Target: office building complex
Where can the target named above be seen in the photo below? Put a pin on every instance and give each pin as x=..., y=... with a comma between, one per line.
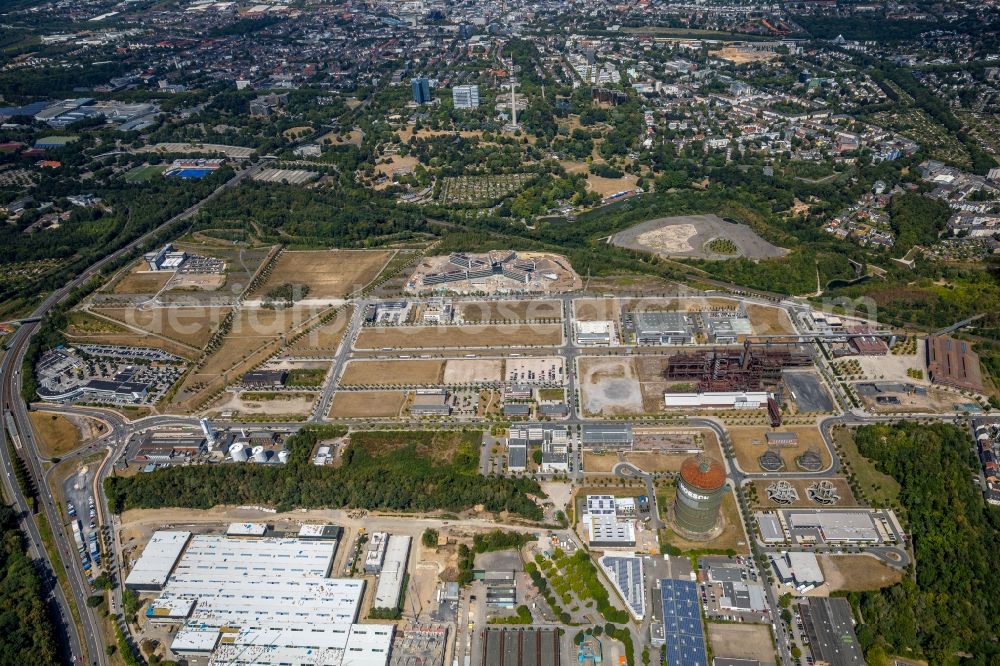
x=421, y=91
x=465, y=97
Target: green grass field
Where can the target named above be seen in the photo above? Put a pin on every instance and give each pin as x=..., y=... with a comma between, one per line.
x=145, y=172
x=881, y=489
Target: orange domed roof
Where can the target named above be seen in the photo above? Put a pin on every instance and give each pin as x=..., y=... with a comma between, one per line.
x=703, y=472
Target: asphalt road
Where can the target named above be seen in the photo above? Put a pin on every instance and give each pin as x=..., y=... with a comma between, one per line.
x=11, y=402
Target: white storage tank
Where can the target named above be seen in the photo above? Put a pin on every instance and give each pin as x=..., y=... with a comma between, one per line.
x=283, y=456
x=238, y=453
x=259, y=454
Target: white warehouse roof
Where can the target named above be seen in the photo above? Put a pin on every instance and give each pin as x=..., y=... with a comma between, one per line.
x=390, y=580
x=157, y=560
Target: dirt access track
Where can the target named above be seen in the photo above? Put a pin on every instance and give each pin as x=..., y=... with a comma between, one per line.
x=687, y=235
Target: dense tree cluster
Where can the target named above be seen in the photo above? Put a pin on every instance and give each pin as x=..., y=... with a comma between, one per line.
x=26, y=632
x=949, y=607
x=403, y=478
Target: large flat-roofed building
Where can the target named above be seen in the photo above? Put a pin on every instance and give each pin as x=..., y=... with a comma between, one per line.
x=856, y=526
x=509, y=646
x=717, y=400
x=376, y=552
x=604, y=527
x=662, y=328
x=769, y=526
x=594, y=333
x=727, y=327
x=800, y=570
x=830, y=627
x=265, y=378
x=153, y=568
x=390, y=581
x=430, y=402
x=606, y=436
x=267, y=601
x=952, y=363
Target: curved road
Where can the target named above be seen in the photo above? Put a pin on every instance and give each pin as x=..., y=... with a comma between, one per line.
x=12, y=403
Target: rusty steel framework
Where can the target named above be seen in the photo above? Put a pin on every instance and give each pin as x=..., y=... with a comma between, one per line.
x=751, y=368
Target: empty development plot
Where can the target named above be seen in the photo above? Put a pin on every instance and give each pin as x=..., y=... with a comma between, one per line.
x=263, y=403
x=59, y=434
x=857, y=573
x=596, y=309
x=367, y=404
x=464, y=337
x=689, y=235
x=609, y=386
x=325, y=337
x=192, y=326
x=509, y=311
x=327, y=273
x=767, y=320
x=407, y=372
x=139, y=281
x=751, y=442
x=741, y=641
x=472, y=370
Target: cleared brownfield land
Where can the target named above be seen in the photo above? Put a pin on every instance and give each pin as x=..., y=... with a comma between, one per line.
x=56, y=433
x=327, y=273
x=189, y=325
x=857, y=573
x=138, y=282
x=326, y=336
x=509, y=311
x=422, y=337
x=362, y=404
x=400, y=373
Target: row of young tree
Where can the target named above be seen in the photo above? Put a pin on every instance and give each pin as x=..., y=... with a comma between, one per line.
x=948, y=608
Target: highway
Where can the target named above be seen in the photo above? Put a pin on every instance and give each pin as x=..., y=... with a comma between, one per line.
x=11, y=402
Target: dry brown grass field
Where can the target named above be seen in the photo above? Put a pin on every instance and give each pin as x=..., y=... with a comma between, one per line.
x=327, y=273
x=395, y=372
x=192, y=326
x=367, y=404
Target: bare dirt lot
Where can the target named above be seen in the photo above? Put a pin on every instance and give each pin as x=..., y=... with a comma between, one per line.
x=609, y=386
x=459, y=337
x=464, y=371
x=857, y=573
x=59, y=434
x=687, y=236
x=509, y=311
x=271, y=404
x=139, y=281
x=741, y=641
x=596, y=309
x=741, y=56
x=191, y=326
x=327, y=273
x=750, y=443
x=769, y=321
x=393, y=372
x=362, y=404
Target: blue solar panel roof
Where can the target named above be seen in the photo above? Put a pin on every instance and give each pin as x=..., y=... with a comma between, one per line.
x=682, y=628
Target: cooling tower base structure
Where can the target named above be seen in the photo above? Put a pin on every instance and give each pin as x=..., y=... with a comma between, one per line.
x=696, y=514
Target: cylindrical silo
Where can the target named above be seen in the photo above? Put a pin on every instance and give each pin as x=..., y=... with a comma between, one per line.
x=238, y=453
x=283, y=456
x=699, y=494
x=259, y=454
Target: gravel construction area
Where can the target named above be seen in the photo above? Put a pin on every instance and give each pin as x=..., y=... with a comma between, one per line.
x=808, y=391
x=609, y=387
x=741, y=641
x=687, y=236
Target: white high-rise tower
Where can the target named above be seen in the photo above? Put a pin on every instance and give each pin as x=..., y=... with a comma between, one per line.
x=513, y=100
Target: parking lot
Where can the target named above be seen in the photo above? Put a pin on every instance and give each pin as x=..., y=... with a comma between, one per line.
x=526, y=370
x=808, y=391
x=77, y=490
